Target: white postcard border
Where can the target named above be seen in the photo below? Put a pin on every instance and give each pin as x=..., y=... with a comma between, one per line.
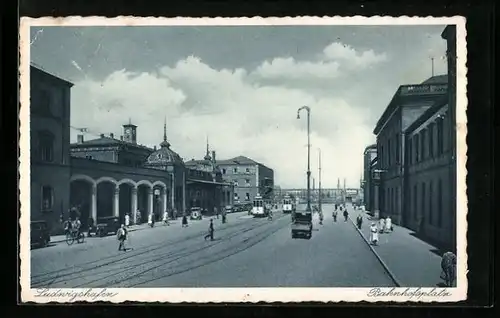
x=252, y=295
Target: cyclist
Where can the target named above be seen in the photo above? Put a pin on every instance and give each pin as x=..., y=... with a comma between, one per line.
x=76, y=226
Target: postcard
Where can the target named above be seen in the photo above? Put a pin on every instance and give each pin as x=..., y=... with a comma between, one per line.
x=224, y=160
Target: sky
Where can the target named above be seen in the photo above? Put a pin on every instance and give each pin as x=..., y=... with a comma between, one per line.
x=241, y=87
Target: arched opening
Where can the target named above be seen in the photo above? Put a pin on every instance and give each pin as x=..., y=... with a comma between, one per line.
x=105, y=196
x=80, y=197
x=142, y=202
x=125, y=200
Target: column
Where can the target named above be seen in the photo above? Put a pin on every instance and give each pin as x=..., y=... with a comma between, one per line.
x=376, y=200
x=93, y=206
x=116, y=205
x=134, y=204
x=150, y=201
x=164, y=201
x=172, y=190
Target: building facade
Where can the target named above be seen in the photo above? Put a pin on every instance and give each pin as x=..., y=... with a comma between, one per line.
x=49, y=142
x=408, y=103
x=429, y=209
x=248, y=177
x=206, y=187
x=369, y=156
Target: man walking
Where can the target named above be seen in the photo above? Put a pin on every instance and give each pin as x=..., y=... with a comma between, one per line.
x=210, y=231
x=359, y=221
x=122, y=236
x=346, y=214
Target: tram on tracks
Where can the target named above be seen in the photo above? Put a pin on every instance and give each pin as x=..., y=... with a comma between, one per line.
x=259, y=208
x=288, y=204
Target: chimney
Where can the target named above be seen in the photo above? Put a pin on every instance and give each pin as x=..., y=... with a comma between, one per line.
x=154, y=148
x=112, y=135
x=121, y=138
x=102, y=135
x=213, y=156
x=80, y=139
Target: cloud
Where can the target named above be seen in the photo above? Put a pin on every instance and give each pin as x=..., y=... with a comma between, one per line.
x=239, y=115
x=334, y=62
x=351, y=58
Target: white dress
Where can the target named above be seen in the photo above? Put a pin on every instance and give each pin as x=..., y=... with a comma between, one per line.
x=127, y=220
x=373, y=234
x=388, y=225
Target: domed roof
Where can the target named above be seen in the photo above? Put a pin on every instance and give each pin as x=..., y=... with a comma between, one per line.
x=164, y=156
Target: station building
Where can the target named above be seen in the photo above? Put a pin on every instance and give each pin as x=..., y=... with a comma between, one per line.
x=249, y=178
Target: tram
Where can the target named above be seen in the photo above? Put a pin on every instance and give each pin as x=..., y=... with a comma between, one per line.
x=288, y=204
x=259, y=209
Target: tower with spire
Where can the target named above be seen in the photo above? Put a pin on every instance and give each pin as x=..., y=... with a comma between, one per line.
x=165, y=143
x=207, y=154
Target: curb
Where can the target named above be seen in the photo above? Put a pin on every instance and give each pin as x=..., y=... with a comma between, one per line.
x=384, y=265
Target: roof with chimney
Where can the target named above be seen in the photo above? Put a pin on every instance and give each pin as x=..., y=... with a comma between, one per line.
x=107, y=141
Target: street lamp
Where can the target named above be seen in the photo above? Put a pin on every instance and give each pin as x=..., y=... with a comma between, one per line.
x=308, y=208
x=319, y=187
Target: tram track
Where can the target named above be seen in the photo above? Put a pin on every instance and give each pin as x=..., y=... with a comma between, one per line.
x=118, y=263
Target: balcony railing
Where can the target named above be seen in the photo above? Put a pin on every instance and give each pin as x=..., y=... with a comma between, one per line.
x=427, y=89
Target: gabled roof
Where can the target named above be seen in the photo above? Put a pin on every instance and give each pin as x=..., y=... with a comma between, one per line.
x=107, y=141
x=36, y=69
x=237, y=160
x=438, y=79
x=427, y=114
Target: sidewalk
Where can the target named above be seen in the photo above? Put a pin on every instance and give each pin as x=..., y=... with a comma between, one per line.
x=411, y=261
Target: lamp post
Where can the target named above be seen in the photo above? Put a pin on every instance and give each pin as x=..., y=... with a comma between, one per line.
x=319, y=186
x=308, y=208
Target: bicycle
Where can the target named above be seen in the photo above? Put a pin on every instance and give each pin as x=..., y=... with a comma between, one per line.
x=71, y=236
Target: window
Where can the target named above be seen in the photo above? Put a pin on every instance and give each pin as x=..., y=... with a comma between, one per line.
x=410, y=151
x=422, y=144
x=398, y=147
x=382, y=156
x=415, y=196
x=431, y=140
x=235, y=169
x=389, y=152
x=417, y=150
x=440, y=204
x=46, y=146
x=236, y=196
x=431, y=222
x=235, y=183
x=247, y=196
x=223, y=171
x=440, y=137
x=47, y=198
x=422, y=203
x=247, y=182
x=247, y=170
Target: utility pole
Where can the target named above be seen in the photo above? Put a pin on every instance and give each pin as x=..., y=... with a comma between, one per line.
x=308, y=208
x=432, y=66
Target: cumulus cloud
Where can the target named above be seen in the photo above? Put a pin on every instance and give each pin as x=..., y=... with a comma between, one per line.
x=352, y=59
x=239, y=115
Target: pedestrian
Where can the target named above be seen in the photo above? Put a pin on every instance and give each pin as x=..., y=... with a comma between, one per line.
x=388, y=224
x=151, y=221
x=321, y=218
x=448, y=268
x=210, y=231
x=359, y=221
x=165, y=218
x=382, y=225
x=138, y=218
x=346, y=214
x=184, y=220
x=127, y=220
x=122, y=235
x=334, y=214
x=224, y=218
x=373, y=234
x=90, y=226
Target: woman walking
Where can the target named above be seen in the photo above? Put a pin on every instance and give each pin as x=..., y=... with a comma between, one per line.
x=373, y=234
x=122, y=236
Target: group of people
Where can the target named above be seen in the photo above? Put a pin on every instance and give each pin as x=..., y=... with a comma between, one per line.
x=384, y=226
x=342, y=209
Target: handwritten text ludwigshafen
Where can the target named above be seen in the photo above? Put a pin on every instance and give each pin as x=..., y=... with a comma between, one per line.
x=89, y=293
